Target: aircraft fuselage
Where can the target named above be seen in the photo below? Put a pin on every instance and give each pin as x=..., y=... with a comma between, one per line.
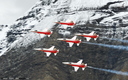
x=91, y=36
x=81, y=66
x=51, y=51
x=76, y=41
x=46, y=33
x=70, y=24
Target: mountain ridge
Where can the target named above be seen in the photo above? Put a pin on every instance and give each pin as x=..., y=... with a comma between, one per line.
x=21, y=61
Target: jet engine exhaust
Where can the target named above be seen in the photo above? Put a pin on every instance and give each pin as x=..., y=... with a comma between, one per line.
x=115, y=39
x=111, y=71
x=109, y=46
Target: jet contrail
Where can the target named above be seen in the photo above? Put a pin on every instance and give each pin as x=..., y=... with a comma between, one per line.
x=111, y=71
x=115, y=39
x=110, y=46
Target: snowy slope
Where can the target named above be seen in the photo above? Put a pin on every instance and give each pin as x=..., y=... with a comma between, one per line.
x=45, y=12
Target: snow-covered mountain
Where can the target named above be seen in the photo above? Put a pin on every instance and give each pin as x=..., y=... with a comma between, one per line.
x=45, y=12
x=108, y=18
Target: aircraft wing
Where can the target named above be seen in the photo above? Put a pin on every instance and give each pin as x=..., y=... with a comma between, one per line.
x=91, y=33
x=71, y=44
x=44, y=30
x=47, y=54
x=76, y=69
x=80, y=61
x=88, y=38
x=51, y=48
x=74, y=38
x=42, y=35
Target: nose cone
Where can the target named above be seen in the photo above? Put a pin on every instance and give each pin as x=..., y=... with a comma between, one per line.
x=77, y=34
x=37, y=49
x=65, y=62
x=32, y=31
x=56, y=22
x=60, y=39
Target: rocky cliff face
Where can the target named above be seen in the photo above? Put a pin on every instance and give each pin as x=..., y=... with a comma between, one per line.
x=21, y=61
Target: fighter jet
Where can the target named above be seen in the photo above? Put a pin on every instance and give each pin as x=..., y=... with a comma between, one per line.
x=48, y=51
x=71, y=41
x=89, y=36
x=71, y=23
x=77, y=65
x=45, y=32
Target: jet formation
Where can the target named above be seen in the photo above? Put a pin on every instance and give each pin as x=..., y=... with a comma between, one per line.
x=70, y=41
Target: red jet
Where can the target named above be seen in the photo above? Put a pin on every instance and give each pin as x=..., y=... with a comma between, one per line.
x=89, y=36
x=77, y=65
x=71, y=41
x=48, y=51
x=48, y=32
x=66, y=23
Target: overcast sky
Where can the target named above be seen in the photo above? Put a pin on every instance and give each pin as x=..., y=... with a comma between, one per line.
x=10, y=10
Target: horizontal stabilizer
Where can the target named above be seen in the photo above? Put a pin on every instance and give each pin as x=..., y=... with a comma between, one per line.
x=49, y=35
x=55, y=54
x=83, y=68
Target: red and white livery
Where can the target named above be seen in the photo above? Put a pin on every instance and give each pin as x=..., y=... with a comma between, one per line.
x=48, y=51
x=89, y=36
x=71, y=23
x=44, y=32
x=71, y=41
x=77, y=65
